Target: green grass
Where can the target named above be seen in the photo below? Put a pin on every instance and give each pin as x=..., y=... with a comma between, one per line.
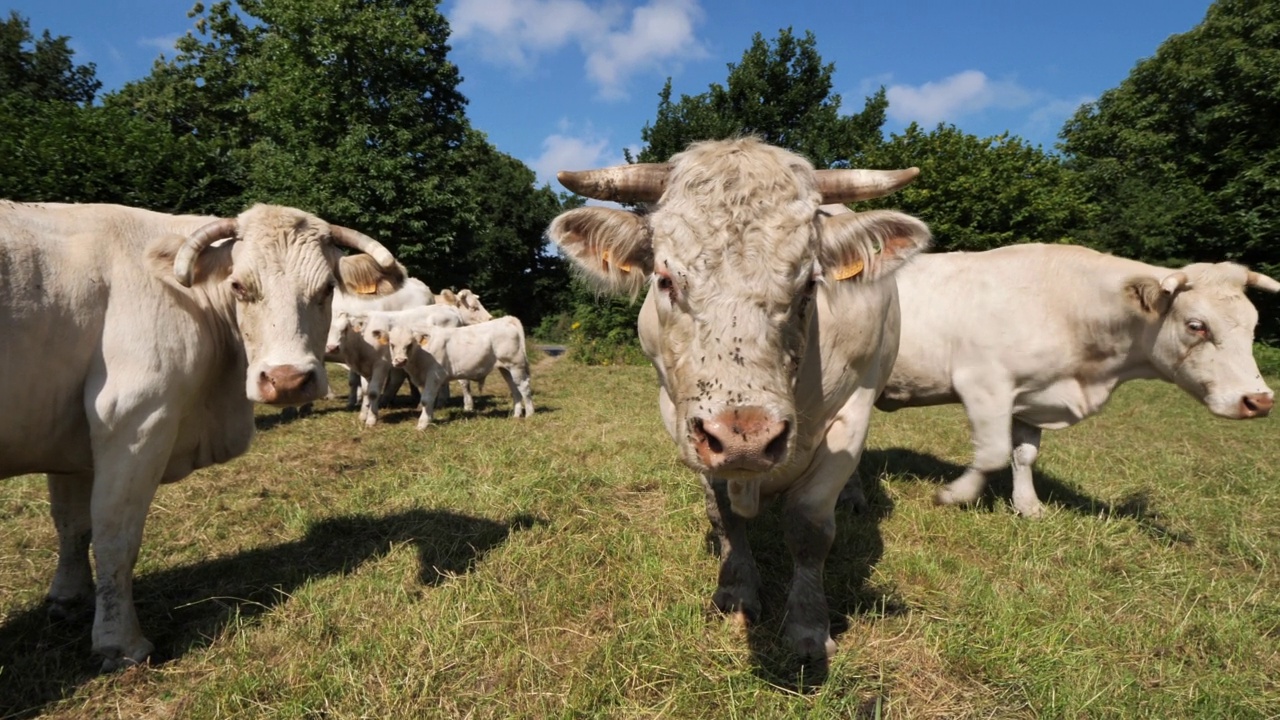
x=557, y=567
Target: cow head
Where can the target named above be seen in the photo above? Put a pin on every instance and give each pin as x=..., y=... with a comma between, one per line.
x=342, y=323
x=284, y=265
x=1203, y=339
x=732, y=254
x=467, y=304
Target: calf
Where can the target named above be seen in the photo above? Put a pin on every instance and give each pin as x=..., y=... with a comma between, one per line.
x=433, y=356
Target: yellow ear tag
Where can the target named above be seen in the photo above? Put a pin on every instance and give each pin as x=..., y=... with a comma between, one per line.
x=853, y=269
x=366, y=288
x=383, y=340
x=605, y=258
x=424, y=340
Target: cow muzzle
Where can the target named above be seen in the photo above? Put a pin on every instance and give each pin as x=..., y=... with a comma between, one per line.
x=743, y=439
x=1255, y=405
x=288, y=385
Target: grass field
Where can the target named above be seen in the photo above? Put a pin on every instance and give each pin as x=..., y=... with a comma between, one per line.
x=558, y=567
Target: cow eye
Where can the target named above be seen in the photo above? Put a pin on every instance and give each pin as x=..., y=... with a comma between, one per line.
x=1197, y=327
x=241, y=292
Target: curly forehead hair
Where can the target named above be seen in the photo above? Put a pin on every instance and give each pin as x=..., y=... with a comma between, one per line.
x=750, y=207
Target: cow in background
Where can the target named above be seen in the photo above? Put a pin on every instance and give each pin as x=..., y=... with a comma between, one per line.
x=773, y=325
x=432, y=356
x=1035, y=337
x=165, y=337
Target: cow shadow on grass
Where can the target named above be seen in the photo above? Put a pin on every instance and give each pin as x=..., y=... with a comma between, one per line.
x=1052, y=490
x=189, y=607
x=857, y=548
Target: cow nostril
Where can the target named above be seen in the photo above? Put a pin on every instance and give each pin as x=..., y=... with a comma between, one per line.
x=703, y=437
x=1249, y=404
x=777, y=447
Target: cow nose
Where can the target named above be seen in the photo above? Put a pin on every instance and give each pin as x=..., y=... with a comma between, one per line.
x=1256, y=405
x=331, y=348
x=398, y=362
x=740, y=438
x=287, y=385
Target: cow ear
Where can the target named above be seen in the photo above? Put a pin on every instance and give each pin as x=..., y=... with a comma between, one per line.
x=1153, y=296
x=870, y=245
x=362, y=275
x=424, y=340
x=611, y=247
x=448, y=298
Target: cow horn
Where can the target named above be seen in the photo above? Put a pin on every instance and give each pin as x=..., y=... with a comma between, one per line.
x=842, y=186
x=184, y=262
x=347, y=237
x=1175, y=282
x=639, y=182
x=1262, y=282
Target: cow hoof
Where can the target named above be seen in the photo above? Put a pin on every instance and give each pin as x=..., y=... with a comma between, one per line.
x=744, y=609
x=852, y=497
x=1034, y=511
x=60, y=610
x=810, y=646
x=116, y=660
x=948, y=495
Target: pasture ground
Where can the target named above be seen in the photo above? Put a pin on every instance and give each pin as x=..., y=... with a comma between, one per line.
x=558, y=567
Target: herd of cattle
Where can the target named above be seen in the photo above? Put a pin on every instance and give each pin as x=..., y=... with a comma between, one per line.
x=775, y=317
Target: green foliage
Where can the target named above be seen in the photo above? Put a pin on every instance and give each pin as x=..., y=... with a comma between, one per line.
x=1182, y=158
x=45, y=72
x=981, y=193
x=781, y=92
x=59, y=152
x=352, y=110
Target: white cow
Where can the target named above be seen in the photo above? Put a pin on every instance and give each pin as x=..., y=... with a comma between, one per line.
x=1033, y=337
x=163, y=341
x=414, y=293
x=361, y=340
x=433, y=356
x=468, y=303
x=771, y=331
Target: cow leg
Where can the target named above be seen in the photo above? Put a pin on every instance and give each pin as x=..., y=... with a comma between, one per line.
x=1026, y=447
x=128, y=465
x=990, y=414
x=468, y=403
x=809, y=536
x=431, y=385
x=809, y=527
x=738, y=591
x=355, y=390
x=373, y=394
x=72, y=587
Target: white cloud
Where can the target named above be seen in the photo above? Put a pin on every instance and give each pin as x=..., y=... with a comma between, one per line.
x=568, y=152
x=1048, y=119
x=163, y=43
x=615, y=43
x=947, y=100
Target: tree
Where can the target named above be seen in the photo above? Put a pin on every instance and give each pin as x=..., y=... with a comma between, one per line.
x=780, y=92
x=44, y=73
x=351, y=109
x=1182, y=158
x=980, y=193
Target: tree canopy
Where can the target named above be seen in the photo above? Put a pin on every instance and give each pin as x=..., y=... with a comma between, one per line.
x=781, y=92
x=1182, y=159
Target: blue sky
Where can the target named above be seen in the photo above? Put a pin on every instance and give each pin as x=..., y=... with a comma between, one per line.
x=567, y=84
